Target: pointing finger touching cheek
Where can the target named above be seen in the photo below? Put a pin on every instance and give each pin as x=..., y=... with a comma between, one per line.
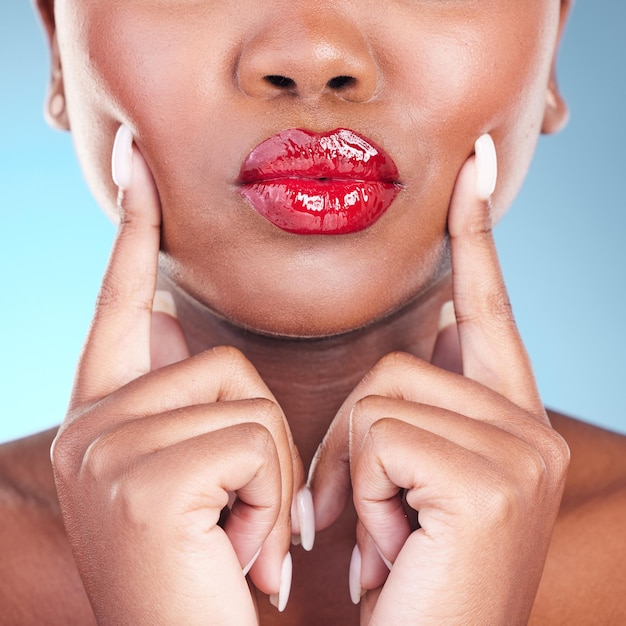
x=117, y=349
x=491, y=348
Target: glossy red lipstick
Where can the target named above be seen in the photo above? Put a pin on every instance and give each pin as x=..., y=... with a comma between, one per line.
x=319, y=184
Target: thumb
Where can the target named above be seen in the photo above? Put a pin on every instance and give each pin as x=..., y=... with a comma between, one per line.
x=167, y=340
x=447, y=350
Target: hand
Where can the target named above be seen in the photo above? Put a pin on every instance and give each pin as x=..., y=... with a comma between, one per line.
x=472, y=453
x=148, y=457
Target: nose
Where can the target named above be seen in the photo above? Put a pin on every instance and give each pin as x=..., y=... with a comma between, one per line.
x=308, y=54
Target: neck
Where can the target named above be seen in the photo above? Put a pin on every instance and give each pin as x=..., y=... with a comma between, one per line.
x=311, y=378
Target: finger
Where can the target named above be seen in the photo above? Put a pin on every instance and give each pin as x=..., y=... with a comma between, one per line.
x=492, y=351
x=117, y=349
x=160, y=489
x=467, y=503
x=167, y=340
x=221, y=374
x=522, y=450
x=128, y=442
x=218, y=376
x=511, y=448
x=226, y=390
x=380, y=506
x=329, y=474
x=375, y=567
x=397, y=455
x=118, y=445
x=404, y=377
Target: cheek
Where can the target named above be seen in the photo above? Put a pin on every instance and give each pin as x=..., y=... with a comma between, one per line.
x=148, y=67
x=458, y=80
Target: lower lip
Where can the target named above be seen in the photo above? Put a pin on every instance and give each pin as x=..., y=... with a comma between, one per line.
x=308, y=206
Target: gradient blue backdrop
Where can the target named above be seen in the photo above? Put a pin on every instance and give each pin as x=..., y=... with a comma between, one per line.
x=561, y=245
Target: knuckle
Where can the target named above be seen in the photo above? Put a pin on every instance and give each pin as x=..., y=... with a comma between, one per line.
x=497, y=498
x=231, y=356
x=134, y=500
x=380, y=430
x=501, y=492
x=395, y=359
x=364, y=413
x=477, y=224
x=533, y=469
x=368, y=405
x=258, y=440
x=494, y=305
x=267, y=412
x=66, y=452
x=530, y=480
x=108, y=296
x=100, y=455
x=556, y=453
x=133, y=225
x=393, y=365
x=113, y=297
x=498, y=302
x=234, y=363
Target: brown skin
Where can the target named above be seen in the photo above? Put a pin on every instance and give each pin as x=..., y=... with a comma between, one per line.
x=464, y=65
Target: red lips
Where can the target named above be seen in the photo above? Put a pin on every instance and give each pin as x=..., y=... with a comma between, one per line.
x=319, y=184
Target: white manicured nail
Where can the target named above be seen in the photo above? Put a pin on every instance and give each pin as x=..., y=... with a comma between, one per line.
x=354, y=577
x=122, y=158
x=248, y=567
x=386, y=561
x=486, y=166
x=306, y=518
x=163, y=302
x=279, y=600
x=447, y=316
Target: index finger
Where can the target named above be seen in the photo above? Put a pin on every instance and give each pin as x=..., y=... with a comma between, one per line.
x=117, y=349
x=491, y=347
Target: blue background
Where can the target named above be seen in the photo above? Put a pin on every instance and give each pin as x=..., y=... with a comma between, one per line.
x=561, y=245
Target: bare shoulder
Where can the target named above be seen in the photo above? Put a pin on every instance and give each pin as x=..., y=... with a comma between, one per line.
x=38, y=580
x=584, y=580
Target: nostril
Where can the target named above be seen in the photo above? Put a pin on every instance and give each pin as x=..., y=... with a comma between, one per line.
x=282, y=82
x=341, y=82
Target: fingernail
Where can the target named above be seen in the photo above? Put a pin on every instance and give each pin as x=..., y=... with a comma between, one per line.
x=354, y=578
x=296, y=540
x=486, y=166
x=447, y=316
x=248, y=567
x=122, y=158
x=163, y=302
x=306, y=518
x=386, y=561
x=279, y=600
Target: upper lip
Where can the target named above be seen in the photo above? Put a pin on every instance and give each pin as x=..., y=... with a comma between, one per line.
x=340, y=154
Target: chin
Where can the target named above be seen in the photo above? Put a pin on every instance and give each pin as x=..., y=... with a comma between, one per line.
x=316, y=309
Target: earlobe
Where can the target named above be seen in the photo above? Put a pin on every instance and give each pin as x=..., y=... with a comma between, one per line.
x=556, y=112
x=56, y=107
x=55, y=110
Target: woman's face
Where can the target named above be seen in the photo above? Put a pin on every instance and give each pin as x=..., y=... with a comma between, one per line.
x=193, y=80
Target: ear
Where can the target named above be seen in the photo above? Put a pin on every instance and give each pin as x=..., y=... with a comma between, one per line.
x=55, y=107
x=556, y=112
